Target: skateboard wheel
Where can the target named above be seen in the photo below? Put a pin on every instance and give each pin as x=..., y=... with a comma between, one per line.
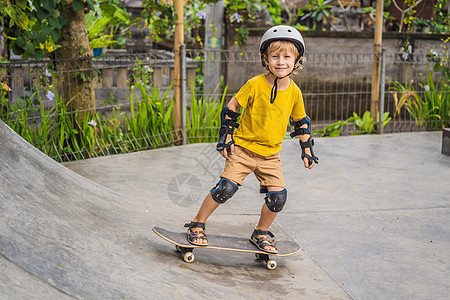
x=257, y=256
x=271, y=264
x=188, y=257
x=178, y=248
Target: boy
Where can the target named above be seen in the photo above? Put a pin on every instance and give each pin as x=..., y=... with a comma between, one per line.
x=269, y=100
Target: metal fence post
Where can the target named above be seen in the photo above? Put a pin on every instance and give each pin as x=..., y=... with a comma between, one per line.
x=183, y=92
x=382, y=87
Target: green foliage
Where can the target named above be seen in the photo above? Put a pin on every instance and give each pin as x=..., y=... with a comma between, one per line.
x=34, y=27
x=372, y=11
x=275, y=9
x=102, y=16
x=409, y=13
x=203, y=119
x=241, y=35
x=431, y=110
x=151, y=118
x=65, y=135
x=430, y=26
x=418, y=109
x=238, y=13
x=332, y=130
x=438, y=24
x=160, y=17
x=142, y=73
x=441, y=62
x=363, y=124
x=430, y=107
x=316, y=9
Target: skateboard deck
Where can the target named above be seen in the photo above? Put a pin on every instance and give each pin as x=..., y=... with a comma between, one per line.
x=227, y=243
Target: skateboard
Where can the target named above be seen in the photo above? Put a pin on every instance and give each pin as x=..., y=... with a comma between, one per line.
x=227, y=243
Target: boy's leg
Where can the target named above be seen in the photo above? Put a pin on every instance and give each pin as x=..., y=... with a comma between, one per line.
x=237, y=167
x=270, y=176
x=206, y=209
x=267, y=217
x=223, y=191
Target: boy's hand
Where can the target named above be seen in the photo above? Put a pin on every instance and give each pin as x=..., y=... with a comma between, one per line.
x=306, y=161
x=306, y=143
x=224, y=152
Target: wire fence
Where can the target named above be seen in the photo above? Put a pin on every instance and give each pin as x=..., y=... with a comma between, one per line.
x=336, y=86
x=134, y=104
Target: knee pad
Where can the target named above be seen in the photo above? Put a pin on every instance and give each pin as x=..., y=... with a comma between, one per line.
x=223, y=190
x=275, y=201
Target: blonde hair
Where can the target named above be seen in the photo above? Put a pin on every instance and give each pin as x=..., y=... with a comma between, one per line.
x=282, y=45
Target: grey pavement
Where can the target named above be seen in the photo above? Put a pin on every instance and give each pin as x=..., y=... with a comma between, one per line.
x=372, y=219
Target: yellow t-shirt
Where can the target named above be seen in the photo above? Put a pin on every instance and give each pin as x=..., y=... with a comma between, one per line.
x=263, y=125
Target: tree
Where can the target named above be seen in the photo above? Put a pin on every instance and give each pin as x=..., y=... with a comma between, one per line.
x=408, y=10
x=74, y=62
x=54, y=29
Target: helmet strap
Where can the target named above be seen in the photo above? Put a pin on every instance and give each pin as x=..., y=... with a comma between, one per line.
x=273, y=92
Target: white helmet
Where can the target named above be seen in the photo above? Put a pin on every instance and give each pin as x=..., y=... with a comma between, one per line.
x=282, y=33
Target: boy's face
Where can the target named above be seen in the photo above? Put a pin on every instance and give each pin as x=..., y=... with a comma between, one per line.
x=281, y=62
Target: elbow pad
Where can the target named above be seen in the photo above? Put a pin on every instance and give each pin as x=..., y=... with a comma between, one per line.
x=297, y=127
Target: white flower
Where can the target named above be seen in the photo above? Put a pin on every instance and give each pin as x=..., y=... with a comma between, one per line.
x=50, y=95
x=201, y=15
x=427, y=88
x=236, y=18
x=92, y=123
x=405, y=55
x=148, y=69
x=409, y=49
x=47, y=73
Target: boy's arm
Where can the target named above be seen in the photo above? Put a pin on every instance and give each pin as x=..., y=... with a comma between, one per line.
x=306, y=142
x=233, y=106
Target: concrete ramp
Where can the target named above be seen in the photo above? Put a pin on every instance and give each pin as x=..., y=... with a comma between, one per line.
x=64, y=236
x=61, y=234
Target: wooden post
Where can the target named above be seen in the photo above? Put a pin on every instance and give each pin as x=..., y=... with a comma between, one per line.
x=122, y=76
x=190, y=78
x=157, y=77
x=17, y=78
x=107, y=77
x=179, y=40
x=376, y=61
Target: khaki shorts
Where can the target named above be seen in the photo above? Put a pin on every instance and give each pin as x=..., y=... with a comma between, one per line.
x=243, y=161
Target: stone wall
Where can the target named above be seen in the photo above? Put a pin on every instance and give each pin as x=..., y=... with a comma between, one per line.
x=337, y=76
x=237, y=73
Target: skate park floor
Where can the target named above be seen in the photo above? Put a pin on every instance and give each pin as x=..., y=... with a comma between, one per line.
x=372, y=220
